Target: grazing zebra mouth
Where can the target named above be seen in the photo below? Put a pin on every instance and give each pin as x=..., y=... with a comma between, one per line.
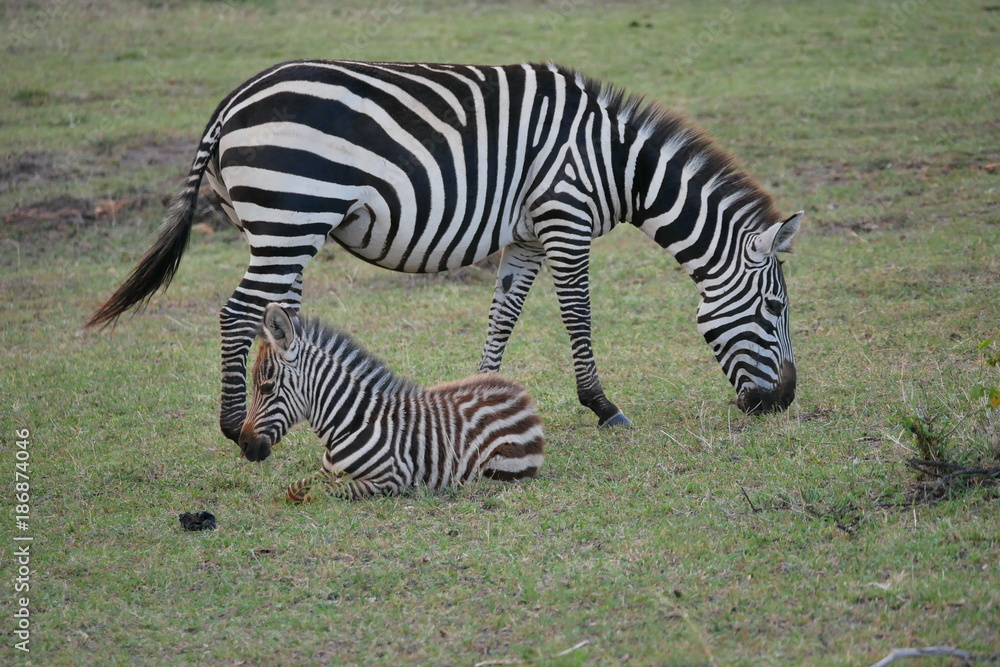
x=753, y=400
x=254, y=447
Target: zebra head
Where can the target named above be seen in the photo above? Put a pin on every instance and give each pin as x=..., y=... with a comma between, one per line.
x=743, y=316
x=279, y=400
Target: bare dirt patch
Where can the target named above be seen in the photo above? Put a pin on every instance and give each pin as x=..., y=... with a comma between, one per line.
x=48, y=224
x=158, y=152
x=57, y=215
x=94, y=160
x=882, y=193
x=32, y=166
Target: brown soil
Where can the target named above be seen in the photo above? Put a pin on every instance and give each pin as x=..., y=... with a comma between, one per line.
x=31, y=166
x=34, y=226
x=58, y=216
x=98, y=159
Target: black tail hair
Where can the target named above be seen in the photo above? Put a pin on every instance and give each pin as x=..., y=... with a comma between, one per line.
x=157, y=267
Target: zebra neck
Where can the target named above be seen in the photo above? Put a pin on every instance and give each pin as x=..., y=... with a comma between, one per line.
x=688, y=197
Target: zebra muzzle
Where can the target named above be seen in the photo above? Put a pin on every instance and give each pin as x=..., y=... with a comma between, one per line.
x=755, y=400
x=255, y=447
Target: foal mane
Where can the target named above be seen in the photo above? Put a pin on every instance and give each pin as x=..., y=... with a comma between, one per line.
x=340, y=347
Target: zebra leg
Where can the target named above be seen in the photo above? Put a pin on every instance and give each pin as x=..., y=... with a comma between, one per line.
x=309, y=488
x=239, y=321
x=519, y=265
x=239, y=326
x=569, y=259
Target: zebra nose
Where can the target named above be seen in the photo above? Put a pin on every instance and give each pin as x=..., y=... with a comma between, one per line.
x=255, y=447
x=754, y=400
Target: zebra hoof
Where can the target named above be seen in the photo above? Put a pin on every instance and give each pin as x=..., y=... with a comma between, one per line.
x=618, y=420
x=299, y=492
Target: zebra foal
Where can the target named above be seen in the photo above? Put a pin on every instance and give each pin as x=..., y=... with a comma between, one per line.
x=383, y=434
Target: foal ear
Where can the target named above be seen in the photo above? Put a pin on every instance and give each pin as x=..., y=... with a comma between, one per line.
x=777, y=237
x=278, y=328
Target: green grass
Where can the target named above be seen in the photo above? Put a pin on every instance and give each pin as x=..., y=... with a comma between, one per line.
x=700, y=536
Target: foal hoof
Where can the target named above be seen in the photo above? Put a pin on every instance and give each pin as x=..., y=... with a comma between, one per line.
x=618, y=420
x=298, y=493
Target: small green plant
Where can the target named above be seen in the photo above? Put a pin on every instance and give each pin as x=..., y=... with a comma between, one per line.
x=930, y=432
x=991, y=357
x=956, y=441
x=991, y=352
x=928, y=422
x=992, y=395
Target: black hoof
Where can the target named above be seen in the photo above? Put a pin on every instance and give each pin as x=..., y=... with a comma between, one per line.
x=618, y=420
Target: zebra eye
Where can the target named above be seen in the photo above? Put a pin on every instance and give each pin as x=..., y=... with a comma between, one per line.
x=267, y=387
x=774, y=306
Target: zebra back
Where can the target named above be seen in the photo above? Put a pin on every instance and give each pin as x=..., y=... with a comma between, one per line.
x=498, y=425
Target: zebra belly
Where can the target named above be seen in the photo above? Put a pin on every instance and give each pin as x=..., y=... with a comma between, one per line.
x=390, y=223
x=369, y=237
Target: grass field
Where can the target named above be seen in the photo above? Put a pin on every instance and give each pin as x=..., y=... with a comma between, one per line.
x=700, y=536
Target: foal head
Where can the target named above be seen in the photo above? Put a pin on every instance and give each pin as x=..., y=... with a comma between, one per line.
x=278, y=400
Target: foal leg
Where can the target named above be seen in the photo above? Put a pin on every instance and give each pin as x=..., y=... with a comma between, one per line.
x=337, y=485
x=309, y=488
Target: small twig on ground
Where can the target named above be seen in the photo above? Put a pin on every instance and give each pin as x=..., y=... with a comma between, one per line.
x=575, y=647
x=850, y=530
x=900, y=653
x=943, y=482
x=518, y=661
x=934, y=464
x=957, y=470
x=756, y=510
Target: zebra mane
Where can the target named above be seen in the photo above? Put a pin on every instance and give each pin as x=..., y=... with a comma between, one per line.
x=348, y=353
x=648, y=117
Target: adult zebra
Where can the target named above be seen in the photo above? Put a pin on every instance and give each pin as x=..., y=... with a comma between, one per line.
x=422, y=168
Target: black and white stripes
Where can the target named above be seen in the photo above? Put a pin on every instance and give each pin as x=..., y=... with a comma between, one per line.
x=383, y=434
x=423, y=168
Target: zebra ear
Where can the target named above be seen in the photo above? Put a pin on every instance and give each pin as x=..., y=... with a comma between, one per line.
x=278, y=328
x=777, y=237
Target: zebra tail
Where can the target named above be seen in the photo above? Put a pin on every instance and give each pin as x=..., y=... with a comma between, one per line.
x=157, y=267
